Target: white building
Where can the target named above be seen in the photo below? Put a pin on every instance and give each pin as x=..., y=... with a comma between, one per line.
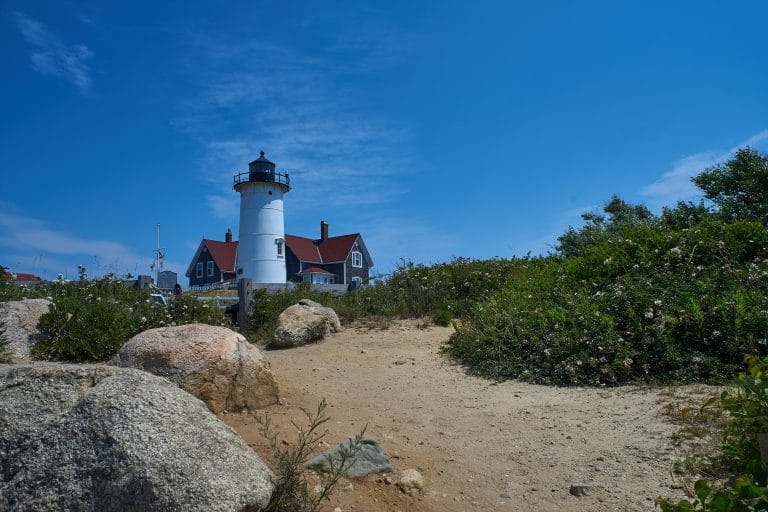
x=261, y=248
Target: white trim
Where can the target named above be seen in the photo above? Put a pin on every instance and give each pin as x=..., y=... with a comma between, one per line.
x=210, y=268
x=357, y=255
x=199, y=269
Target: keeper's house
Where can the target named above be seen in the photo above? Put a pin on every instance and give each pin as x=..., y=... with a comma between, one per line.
x=342, y=259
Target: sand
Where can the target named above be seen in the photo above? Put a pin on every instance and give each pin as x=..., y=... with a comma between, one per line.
x=480, y=445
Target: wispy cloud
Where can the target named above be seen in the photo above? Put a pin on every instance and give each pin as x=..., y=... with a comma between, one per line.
x=52, y=56
x=33, y=243
x=675, y=184
x=263, y=96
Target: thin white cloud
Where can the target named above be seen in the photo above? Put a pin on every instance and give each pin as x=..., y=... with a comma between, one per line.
x=52, y=56
x=261, y=96
x=33, y=243
x=675, y=184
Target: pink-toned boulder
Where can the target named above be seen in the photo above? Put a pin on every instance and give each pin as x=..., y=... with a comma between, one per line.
x=215, y=364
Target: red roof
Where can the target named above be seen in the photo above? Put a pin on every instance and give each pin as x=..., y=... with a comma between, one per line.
x=304, y=248
x=27, y=277
x=331, y=250
x=223, y=253
x=315, y=270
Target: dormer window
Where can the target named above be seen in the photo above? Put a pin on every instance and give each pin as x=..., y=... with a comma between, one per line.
x=357, y=259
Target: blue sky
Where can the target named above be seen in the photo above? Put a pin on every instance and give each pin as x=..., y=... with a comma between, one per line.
x=436, y=129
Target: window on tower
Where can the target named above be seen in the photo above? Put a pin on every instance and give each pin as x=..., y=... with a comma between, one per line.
x=279, y=242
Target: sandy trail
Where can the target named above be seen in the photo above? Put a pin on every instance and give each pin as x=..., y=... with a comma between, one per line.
x=481, y=446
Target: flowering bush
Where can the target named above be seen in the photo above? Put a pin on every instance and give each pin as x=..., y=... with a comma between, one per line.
x=650, y=304
x=91, y=320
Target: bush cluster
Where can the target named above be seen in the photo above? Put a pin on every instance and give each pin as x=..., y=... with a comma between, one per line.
x=90, y=321
x=650, y=304
x=442, y=292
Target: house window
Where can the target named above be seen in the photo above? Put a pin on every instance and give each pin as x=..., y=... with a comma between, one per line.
x=210, y=268
x=358, y=281
x=279, y=243
x=199, y=269
x=357, y=259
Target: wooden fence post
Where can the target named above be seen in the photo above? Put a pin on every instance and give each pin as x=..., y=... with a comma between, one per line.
x=244, y=289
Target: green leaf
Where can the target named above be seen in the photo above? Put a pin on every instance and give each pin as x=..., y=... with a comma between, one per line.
x=702, y=490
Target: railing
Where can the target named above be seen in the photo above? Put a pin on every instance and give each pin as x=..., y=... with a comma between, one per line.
x=281, y=178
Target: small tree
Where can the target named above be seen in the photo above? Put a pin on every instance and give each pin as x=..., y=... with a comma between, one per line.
x=619, y=214
x=739, y=187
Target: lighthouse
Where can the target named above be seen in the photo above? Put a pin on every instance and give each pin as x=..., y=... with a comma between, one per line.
x=261, y=249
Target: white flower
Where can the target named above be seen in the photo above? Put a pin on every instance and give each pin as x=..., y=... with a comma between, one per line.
x=607, y=261
x=649, y=314
x=676, y=251
x=657, y=302
x=627, y=362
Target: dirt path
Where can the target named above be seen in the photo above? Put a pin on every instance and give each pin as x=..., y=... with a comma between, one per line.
x=481, y=446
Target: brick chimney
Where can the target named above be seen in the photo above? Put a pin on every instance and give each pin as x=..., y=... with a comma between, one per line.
x=323, y=231
x=228, y=236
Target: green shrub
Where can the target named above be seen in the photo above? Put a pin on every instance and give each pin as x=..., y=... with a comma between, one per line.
x=651, y=304
x=187, y=309
x=747, y=406
x=90, y=321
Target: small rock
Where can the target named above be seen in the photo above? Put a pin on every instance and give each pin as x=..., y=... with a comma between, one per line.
x=388, y=480
x=580, y=490
x=410, y=480
x=370, y=458
x=505, y=495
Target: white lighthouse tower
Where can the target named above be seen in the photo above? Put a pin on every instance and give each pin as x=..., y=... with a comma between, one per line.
x=261, y=249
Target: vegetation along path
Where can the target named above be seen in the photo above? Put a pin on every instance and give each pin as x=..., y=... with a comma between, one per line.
x=480, y=445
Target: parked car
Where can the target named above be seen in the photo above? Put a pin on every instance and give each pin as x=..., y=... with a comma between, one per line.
x=158, y=298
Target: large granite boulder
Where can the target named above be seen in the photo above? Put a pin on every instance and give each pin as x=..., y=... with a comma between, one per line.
x=305, y=322
x=20, y=318
x=215, y=364
x=101, y=438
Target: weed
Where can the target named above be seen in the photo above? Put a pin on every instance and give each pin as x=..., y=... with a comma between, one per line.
x=291, y=489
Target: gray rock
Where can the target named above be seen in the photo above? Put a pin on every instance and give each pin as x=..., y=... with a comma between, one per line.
x=303, y=323
x=410, y=481
x=20, y=318
x=97, y=437
x=369, y=459
x=215, y=364
x=580, y=490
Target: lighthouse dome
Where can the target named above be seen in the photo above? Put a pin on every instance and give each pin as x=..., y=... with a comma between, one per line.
x=261, y=164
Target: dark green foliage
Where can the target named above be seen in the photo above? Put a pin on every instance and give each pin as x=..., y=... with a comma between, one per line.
x=739, y=187
x=747, y=406
x=91, y=320
x=443, y=291
x=187, y=309
x=649, y=304
x=620, y=215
